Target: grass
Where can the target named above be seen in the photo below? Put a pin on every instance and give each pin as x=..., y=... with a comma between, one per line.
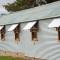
x=10, y=58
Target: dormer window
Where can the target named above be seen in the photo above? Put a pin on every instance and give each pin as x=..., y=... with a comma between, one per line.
x=16, y=29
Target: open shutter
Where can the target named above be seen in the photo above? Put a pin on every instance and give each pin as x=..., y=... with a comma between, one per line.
x=3, y=31
x=29, y=25
x=12, y=27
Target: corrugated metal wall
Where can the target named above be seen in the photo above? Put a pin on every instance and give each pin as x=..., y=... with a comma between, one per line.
x=47, y=46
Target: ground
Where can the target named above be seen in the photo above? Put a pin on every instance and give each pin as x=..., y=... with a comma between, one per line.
x=10, y=58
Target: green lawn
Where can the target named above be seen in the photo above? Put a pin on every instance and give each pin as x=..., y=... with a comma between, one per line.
x=10, y=58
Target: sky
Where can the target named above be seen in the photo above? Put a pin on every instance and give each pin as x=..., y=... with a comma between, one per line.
x=4, y=2
x=3, y=10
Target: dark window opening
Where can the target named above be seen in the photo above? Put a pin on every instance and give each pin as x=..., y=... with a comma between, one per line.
x=34, y=31
x=17, y=33
x=59, y=35
x=3, y=33
x=58, y=29
x=34, y=36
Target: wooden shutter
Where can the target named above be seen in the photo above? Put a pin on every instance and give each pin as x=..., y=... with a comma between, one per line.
x=17, y=33
x=34, y=31
x=3, y=33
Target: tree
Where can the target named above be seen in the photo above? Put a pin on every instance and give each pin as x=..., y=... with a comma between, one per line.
x=50, y=1
x=25, y=4
x=19, y=5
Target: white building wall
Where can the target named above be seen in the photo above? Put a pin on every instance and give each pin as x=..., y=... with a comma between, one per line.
x=47, y=46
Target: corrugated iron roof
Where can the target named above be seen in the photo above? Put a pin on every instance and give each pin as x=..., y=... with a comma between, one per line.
x=37, y=13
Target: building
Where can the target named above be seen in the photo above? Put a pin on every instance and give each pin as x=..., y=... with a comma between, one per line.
x=29, y=32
